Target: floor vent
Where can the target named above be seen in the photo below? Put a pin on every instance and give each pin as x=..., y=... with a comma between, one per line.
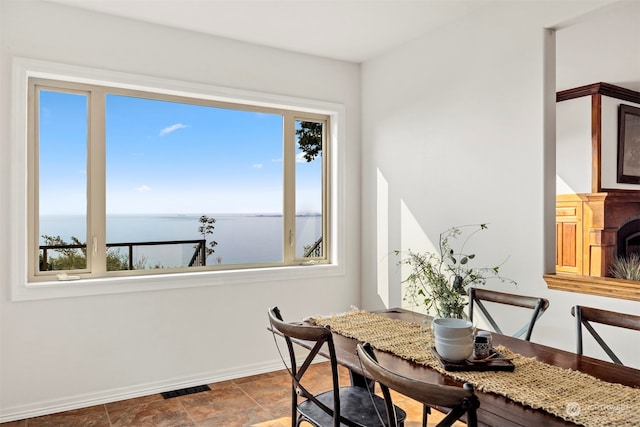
x=185, y=391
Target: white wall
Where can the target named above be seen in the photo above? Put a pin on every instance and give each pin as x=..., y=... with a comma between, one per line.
x=573, y=143
x=573, y=146
x=62, y=353
x=452, y=131
x=602, y=47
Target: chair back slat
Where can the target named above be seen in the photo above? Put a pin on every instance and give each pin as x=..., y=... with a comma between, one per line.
x=523, y=301
x=298, y=331
x=536, y=304
x=606, y=317
x=478, y=303
x=585, y=315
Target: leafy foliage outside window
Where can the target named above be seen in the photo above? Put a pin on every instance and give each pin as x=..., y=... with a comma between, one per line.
x=310, y=139
x=75, y=258
x=206, y=227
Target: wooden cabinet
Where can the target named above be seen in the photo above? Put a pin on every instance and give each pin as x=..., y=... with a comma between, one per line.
x=569, y=234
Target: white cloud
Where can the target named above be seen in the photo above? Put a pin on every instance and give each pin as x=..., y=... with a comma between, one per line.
x=257, y=166
x=172, y=128
x=143, y=188
x=299, y=158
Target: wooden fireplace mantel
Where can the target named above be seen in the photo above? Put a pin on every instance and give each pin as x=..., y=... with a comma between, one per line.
x=601, y=286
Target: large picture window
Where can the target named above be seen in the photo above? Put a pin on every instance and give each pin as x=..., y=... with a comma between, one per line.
x=126, y=182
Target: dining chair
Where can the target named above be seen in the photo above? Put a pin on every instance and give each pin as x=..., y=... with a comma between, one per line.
x=458, y=400
x=477, y=297
x=351, y=406
x=584, y=315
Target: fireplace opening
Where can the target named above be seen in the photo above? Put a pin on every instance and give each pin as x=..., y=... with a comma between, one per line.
x=628, y=239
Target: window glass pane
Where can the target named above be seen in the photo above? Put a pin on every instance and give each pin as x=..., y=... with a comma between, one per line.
x=309, y=138
x=62, y=180
x=190, y=184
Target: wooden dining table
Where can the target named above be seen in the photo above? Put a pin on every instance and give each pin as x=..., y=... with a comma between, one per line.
x=495, y=410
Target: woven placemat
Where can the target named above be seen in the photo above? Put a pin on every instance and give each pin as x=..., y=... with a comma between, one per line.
x=571, y=395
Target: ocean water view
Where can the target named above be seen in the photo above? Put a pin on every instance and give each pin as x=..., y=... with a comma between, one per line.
x=241, y=238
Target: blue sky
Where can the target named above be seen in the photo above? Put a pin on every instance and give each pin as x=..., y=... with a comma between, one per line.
x=167, y=157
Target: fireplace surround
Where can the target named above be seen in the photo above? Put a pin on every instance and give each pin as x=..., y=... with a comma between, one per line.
x=628, y=239
x=589, y=227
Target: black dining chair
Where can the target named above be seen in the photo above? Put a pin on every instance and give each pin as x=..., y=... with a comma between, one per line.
x=459, y=400
x=477, y=298
x=584, y=315
x=351, y=406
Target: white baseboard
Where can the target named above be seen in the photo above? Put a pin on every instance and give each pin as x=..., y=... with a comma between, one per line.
x=91, y=399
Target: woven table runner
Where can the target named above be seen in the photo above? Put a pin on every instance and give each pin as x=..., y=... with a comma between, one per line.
x=571, y=395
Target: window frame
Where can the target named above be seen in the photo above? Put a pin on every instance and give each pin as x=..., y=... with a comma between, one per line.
x=27, y=285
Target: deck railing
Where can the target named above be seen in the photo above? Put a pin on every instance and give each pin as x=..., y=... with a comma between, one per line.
x=198, y=258
x=314, y=250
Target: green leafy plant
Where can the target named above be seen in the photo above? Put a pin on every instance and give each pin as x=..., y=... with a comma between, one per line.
x=439, y=281
x=206, y=227
x=627, y=268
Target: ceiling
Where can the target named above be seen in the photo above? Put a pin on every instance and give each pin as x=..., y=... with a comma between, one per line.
x=349, y=30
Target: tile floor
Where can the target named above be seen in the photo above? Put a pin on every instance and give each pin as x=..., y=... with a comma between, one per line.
x=256, y=401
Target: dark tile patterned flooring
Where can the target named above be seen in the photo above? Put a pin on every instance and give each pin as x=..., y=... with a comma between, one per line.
x=257, y=401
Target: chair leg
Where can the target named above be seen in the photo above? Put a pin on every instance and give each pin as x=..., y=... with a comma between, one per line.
x=295, y=419
x=358, y=380
x=472, y=418
x=426, y=410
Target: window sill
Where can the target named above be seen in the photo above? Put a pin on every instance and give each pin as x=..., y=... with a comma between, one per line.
x=601, y=286
x=116, y=285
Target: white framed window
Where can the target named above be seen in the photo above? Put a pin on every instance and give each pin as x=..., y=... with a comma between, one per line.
x=127, y=180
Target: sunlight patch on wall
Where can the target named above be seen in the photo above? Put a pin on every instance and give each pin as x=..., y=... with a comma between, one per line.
x=413, y=238
x=562, y=187
x=382, y=237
